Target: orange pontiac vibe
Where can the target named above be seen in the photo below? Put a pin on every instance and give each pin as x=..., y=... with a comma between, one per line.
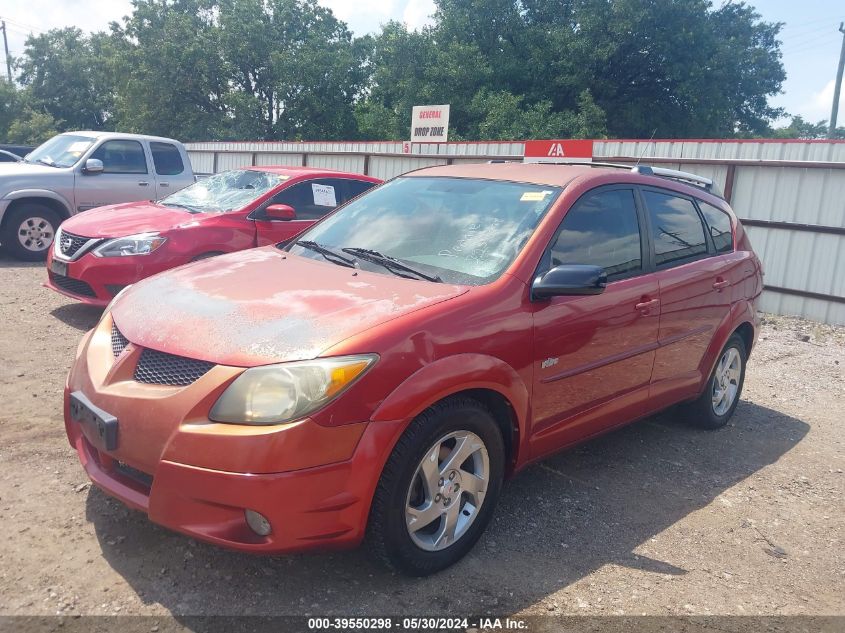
x=381, y=374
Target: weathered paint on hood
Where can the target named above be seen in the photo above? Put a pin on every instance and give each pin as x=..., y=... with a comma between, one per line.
x=263, y=306
x=129, y=218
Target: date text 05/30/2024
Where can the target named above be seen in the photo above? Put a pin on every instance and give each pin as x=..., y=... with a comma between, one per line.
x=416, y=624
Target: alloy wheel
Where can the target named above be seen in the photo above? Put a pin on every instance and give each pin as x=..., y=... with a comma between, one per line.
x=726, y=381
x=447, y=490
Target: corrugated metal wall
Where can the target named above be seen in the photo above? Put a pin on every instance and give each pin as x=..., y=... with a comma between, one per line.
x=805, y=264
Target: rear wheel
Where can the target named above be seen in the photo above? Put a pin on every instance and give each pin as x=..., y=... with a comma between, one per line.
x=721, y=395
x=29, y=230
x=438, y=489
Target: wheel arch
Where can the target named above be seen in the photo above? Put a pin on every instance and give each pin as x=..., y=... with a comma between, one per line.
x=47, y=198
x=741, y=320
x=490, y=381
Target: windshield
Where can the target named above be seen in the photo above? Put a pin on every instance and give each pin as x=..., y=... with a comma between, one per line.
x=455, y=229
x=64, y=150
x=226, y=191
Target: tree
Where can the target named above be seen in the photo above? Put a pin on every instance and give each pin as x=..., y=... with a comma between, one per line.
x=293, y=66
x=171, y=77
x=63, y=80
x=801, y=129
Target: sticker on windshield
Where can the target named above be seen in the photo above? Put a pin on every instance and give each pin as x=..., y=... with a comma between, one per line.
x=534, y=196
x=78, y=147
x=324, y=195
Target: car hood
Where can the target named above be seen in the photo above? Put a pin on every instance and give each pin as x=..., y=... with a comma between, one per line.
x=128, y=218
x=263, y=306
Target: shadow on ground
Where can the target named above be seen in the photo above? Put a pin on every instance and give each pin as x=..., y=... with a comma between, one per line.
x=78, y=315
x=556, y=522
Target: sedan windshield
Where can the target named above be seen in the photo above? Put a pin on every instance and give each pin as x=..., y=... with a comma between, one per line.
x=63, y=150
x=226, y=191
x=455, y=230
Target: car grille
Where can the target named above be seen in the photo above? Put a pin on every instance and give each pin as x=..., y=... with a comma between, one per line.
x=74, y=286
x=69, y=243
x=159, y=368
x=118, y=341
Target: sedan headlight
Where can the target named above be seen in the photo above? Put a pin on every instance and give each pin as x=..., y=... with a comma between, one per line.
x=141, y=244
x=280, y=393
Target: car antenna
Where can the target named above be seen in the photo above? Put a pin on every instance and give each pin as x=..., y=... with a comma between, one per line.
x=645, y=148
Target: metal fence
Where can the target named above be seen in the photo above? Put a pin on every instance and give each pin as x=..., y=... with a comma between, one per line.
x=789, y=194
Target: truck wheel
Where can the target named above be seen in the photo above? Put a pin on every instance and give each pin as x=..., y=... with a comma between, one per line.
x=29, y=230
x=438, y=489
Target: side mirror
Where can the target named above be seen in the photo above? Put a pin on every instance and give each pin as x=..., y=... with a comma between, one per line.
x=93, y=166
x=569, y=279
x=280, y=212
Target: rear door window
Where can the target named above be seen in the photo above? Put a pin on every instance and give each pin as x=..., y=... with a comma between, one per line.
x=719, y=224
x=167, y=159
x=602, y=229
x=676, y=228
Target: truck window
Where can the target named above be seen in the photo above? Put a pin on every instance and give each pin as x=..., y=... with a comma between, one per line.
x=167, y=159
x=122, y=157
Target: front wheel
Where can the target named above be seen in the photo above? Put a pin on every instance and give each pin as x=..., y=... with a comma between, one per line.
x=721, y=395
x=29, y=230
x=438, y=489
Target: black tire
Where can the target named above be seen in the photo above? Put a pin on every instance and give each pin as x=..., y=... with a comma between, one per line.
x=387, y=534
x=701, y=412
x=12, y=224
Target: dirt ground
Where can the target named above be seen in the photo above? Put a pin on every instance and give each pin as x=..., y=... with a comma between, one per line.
x=657, y=518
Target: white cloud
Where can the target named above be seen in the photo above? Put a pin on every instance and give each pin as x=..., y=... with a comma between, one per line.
x=819, y=104
x=418, y=13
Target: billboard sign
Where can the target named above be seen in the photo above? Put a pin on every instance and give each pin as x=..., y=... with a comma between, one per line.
x=430, y=124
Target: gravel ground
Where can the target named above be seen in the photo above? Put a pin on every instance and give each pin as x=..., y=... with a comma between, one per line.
x=656, y=518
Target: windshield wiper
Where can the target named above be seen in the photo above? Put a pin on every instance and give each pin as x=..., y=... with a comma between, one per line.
x=391, y=263
x=46, y=161
x=330, y=255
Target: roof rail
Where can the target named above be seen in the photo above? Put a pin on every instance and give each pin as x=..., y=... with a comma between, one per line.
x=674, y=174
x=647, y=170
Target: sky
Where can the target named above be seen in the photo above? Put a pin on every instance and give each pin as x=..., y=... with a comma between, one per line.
x=810, y=36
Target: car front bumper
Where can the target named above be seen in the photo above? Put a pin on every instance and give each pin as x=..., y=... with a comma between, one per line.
x=96, y=280
x=313, y=483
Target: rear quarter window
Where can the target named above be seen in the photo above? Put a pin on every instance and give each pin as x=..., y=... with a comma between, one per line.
x=719, y=225
x=676, y=228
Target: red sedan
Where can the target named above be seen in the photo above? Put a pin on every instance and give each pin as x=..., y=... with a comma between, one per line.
x=99, y=252
x=381, y=375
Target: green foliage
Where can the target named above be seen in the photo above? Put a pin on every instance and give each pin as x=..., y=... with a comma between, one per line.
x=799, y=128
x=510, y=69
x=32, y=128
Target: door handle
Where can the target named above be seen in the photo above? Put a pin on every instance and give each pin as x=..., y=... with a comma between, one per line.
x=721, y=283
x=647, y=305
x=164, y=184
x=143, y=183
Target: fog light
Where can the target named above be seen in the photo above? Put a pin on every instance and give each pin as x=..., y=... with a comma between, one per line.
x=258, y=522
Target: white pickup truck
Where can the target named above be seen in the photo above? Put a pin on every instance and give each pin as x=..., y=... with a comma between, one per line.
x=76, y=171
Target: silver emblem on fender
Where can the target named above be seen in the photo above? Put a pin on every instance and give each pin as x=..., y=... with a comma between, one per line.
x=549, y=362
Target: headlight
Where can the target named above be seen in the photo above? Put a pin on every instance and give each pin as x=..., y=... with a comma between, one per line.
x=141, y=244
x=280, y=393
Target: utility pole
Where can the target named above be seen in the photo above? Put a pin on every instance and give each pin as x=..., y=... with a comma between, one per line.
x=9, y=61
x=836, y=89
